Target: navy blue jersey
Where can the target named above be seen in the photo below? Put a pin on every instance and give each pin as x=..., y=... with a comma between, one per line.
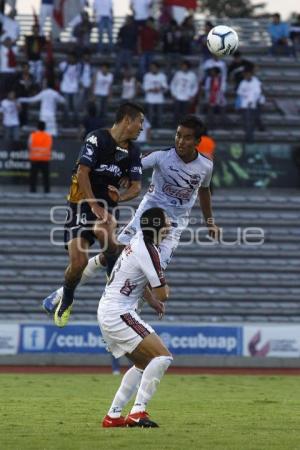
x=108, y=162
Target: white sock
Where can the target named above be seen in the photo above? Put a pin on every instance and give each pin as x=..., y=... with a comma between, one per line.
x=129, y=385
x=94, y=265
x=150, y=379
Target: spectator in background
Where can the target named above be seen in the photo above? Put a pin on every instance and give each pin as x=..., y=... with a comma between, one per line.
x=103, y=10
x=171, y=42
x=141, y=10
x=47, y=7
x=279, y=33
x=148, y=39
x=49, y=99
x=10, y=26
x=24, y=87
x=34, y=45
x=215, y=101
x=86, y=78
x=82, y=32
x=144, y=137
x=155, y=85
x=40, y=149
x=249, y=94
x=91, y=121
x=202, y=41
x=8, y=65
x=214, y=61
x=183, y=87
x=295, y=34
x=237, y=67
x=129, y=85
x=9, y=107
x=187, y=37
x=207, y=145
x=69, y=86
x=102, y=88
x=127, y=44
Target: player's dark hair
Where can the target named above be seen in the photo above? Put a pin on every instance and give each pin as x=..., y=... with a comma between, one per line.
x=129, y=109
x=195, y=123
x=41, y=125
x=152, y=221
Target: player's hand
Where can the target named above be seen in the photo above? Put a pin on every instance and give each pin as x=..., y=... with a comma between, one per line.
x=124, y=183
x=214, y=232
x=100, y=213
x=113, y=193
x=159, y=307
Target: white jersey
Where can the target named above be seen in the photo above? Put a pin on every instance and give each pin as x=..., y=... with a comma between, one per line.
x=70, y=77
x=128, y=88
x=175, y=184
x=154, y=85
x=10, y=111
x=184, y=85
x=103, y=83
x=48, y=98
x=138, y=264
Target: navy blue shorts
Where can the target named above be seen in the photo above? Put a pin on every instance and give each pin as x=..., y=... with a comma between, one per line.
x=80, y=222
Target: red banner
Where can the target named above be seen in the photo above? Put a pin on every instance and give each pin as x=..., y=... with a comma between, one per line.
x=190, y=4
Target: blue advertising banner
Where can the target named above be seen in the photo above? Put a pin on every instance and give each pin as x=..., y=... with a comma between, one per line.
x=86, y=338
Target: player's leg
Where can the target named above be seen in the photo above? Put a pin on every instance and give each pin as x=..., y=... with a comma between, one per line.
x=93, y=267
x=106, y=235
x=152, y=356
x=78, y=253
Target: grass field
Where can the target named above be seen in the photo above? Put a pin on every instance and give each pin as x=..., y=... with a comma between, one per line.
x=63, y=411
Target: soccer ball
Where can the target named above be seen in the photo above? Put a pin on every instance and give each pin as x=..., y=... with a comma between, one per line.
x=222, y=40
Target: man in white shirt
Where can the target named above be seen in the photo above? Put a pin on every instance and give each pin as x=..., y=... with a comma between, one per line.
x=102, y=88
x=103, y=10
x=249, y=94
x=69, y=86
x=183, y=87
x=124, y=332
x=155, y=85
x=10, y=26
x=9, y=107
x=141, y=10
x=49, y=98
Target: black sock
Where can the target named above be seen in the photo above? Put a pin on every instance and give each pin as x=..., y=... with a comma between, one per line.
x=68, y=294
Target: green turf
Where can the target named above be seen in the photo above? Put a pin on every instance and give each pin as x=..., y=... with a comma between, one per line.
x=194, y=412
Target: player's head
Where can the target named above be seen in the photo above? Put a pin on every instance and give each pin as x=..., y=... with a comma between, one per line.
x=189, y=131
x=154, y=224
x=130, y=118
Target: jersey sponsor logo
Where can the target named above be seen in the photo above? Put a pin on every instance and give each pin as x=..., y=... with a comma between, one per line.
x=92, y=139
x=122, y=150
x=128, y=287
x=110, y=168
x=177, y=192
x=89, y=150
x=136, y=169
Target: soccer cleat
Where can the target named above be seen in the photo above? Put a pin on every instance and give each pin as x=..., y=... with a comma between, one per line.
x=50, y=303
x=109, y=422
x=140, y=419
x=62, y=314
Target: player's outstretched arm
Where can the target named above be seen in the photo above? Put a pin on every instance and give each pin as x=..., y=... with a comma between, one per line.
x=206, y=207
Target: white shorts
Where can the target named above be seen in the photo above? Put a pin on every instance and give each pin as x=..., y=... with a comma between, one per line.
x=166, y=247
x=122, y=332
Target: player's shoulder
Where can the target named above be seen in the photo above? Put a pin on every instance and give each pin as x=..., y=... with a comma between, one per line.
x=97, y=137
x=205, y=159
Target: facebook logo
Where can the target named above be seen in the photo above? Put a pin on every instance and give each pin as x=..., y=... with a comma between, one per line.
x=34, y=338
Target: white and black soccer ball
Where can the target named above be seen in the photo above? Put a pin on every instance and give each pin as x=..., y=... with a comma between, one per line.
x=222, y=40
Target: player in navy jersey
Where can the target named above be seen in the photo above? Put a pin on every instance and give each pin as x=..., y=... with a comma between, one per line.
x=105, y=158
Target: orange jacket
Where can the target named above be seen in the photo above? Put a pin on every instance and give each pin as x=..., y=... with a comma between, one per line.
x=207, y=146
x=40, y=146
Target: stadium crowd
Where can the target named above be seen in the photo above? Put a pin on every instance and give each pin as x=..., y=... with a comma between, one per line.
x=29, y=74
